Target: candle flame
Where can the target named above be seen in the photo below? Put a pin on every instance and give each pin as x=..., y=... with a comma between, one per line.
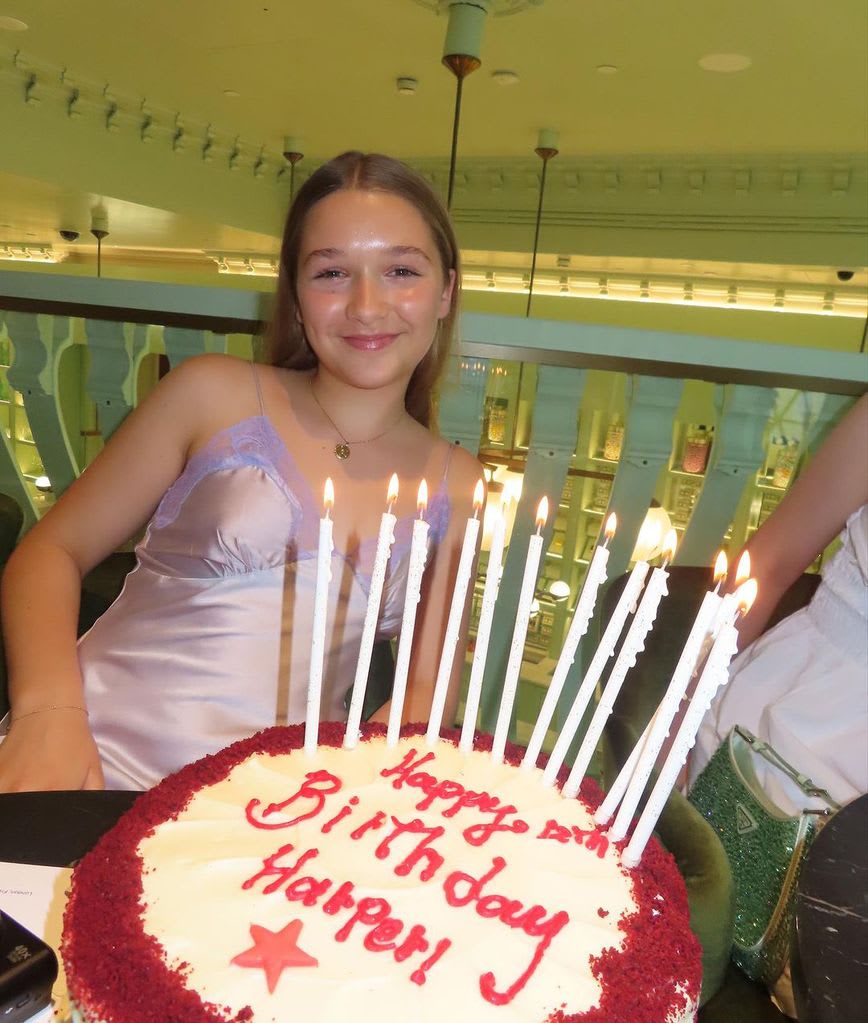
x=742, y=572
x=611, y=526
x=746, y=595
x=392, y=493
x=721, y=567
x=422, y=499
x=542, y=513
x=670, y=542
x=478, y=494
x=328, y=495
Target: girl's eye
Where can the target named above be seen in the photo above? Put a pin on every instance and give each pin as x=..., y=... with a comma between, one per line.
x=328, y=275
x=404, y=271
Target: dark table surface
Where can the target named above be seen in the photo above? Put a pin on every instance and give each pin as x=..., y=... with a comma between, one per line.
x=56, y=828
x=830, y=961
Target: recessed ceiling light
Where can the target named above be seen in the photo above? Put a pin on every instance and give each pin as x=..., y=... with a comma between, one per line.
x=606, y=69
x=505, y=77
x=725, y=63
x=231, y=93
x=12, y=24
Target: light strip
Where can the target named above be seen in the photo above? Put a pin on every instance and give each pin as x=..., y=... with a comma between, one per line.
x=718, y=293
x=21, y=252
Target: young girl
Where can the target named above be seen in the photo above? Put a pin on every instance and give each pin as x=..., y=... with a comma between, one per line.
x=209, y=640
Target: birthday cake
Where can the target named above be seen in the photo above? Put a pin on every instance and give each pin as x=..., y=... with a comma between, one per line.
x=401, y=882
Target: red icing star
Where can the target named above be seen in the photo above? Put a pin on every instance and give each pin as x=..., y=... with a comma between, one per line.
x=273, y=951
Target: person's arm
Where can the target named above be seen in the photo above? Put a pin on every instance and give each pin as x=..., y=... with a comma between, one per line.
x=438, y=585
x=834, y=484
x=49, y=744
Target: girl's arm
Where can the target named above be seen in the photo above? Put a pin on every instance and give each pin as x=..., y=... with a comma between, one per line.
x=49, y=744
x=831, y=488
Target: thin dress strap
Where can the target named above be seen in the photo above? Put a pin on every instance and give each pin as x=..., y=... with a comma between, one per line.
x=258, y=389
x=446, y=463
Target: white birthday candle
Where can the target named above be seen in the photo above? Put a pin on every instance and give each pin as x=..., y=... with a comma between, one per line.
x=418, y=556
x=385, y=539
x=637, y=779
x=605, y=649
x=578, y=627
x=456, y=613
x=729, y=604
x=483, y=629
x=519, y=634
x=633, y=643
x=714, y=674
x=320, y=608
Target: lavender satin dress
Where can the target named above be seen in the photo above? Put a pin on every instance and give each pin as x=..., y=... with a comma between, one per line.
x=209, y=640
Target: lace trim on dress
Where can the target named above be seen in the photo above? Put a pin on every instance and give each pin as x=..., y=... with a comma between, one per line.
x=243, y=444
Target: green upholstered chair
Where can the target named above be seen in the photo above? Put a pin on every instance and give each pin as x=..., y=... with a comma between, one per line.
x=727, y=996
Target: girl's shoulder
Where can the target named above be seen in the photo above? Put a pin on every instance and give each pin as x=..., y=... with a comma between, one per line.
x=462, y=471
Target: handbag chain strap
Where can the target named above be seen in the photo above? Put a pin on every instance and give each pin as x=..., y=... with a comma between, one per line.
x=807, y=786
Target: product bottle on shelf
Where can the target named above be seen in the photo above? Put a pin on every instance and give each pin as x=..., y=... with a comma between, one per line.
x=696, y=448
x=614, y=440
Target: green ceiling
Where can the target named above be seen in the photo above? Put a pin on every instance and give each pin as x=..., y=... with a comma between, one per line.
x=124, y=104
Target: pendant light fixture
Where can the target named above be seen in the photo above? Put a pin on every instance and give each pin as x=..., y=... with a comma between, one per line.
x=461, y=54
x=99, y=229
x=292, y=154
x=546, y=149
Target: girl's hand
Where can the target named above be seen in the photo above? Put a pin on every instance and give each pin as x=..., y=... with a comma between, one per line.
x=50, y=751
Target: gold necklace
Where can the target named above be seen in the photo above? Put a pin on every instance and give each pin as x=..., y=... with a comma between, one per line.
x=342, y=450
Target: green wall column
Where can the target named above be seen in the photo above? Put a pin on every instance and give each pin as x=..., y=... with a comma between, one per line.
x=461, y=402
x=181, y=343
x=116, y=350
x=39, y=342
x=743, y=414
x=552, y=443
x=651, y=406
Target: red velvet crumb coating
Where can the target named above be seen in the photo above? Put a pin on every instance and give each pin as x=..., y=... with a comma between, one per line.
x=117, y=974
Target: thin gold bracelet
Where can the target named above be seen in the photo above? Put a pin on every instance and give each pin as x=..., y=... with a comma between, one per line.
x=44, y=710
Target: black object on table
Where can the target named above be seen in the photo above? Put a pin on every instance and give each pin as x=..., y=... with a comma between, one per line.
x=56, y=828
x=830, y=960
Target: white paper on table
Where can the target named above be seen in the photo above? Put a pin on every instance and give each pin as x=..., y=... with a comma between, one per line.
x=36, y=897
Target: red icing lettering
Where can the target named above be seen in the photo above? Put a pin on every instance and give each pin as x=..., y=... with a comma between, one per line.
x=532, y=922
x=592, y=839
x=342, y=813
x=442, y=790
x=314, y=789
x=377, y=821
x=342, y=899
x=422, y=851
x=405, y=769
x=271, y=868
x=556, y=831
x=307, y=890
x=474, y=885
x=381, y=938
x=414, y=942
x=369, y=910
x=479, y=834
x=418, y=975
x=546, y=930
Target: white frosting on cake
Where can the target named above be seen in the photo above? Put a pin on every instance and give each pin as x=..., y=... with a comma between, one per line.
x=197, y=905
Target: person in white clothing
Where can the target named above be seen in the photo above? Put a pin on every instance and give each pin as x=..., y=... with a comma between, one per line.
x=803, y=685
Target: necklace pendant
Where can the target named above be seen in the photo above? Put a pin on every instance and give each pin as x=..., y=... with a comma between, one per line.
x=342, y=451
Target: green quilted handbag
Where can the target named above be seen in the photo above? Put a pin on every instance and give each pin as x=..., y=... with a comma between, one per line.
x=765, y=847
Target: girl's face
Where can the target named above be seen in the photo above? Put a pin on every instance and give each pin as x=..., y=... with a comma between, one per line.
x=370, y=287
